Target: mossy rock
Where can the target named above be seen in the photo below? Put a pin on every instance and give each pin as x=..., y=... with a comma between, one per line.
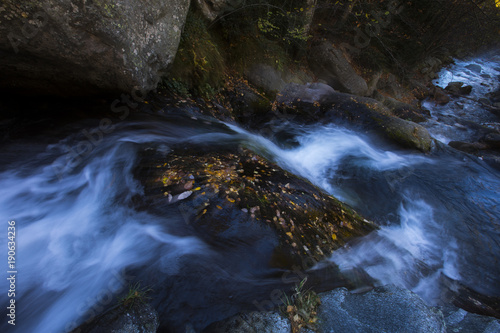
x=407, y=133
x=227, y=194
x=364, y=112
x=403, y=110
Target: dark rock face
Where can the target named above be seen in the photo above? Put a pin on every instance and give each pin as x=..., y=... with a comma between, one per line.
x=313, y=93
x=138, y=318
x=403, y=110
x=384, y=309
x=89, y=47
x=493, y=140
x=228, y=195
x=438, y=95
x=329, y=64
x=458, y=88
x=266, y=78
x=475, y=68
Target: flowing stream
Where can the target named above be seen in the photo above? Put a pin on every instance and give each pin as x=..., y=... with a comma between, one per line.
x=81, y=242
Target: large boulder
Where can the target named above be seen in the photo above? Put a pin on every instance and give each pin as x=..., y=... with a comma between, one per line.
x=403, y=110
x=270, y=80
x=384, y=309
x=88, y=47
x=328, y=63
x=266, y=78
x=238, y=198
x=316, y=102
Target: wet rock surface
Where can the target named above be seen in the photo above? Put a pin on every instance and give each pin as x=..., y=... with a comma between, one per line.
x=317, y=102
x=230, y=196
x=460, y=321
x=384, y=309
x=138, y=317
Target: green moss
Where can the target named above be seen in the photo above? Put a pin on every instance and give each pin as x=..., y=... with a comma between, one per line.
x=107, y=9
x=199, y=65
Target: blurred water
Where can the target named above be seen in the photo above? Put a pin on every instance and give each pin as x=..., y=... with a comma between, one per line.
x=438, y=213
x=455, y=120
x=80, y=237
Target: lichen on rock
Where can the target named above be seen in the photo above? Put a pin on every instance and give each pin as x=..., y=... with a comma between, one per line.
x=89, y=47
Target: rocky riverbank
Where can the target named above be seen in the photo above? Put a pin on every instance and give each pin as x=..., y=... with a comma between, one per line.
x=263, y=69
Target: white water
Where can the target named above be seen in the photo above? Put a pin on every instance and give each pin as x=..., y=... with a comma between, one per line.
x=397, y=252
x=449, y=122
x=78, y=235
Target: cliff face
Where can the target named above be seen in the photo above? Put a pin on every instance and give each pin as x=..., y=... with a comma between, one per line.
x=88, y=47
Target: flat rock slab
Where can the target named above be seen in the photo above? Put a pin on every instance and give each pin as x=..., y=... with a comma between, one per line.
x=460, y=321
x=384, y=309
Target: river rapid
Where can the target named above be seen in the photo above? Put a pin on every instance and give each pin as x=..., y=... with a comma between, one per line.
x=80, y=241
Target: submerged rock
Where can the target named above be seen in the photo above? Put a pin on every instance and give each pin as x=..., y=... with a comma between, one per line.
x=231, y=196
x=384, y=309
x=475, y=68
x=458, y=88
x=88, y=47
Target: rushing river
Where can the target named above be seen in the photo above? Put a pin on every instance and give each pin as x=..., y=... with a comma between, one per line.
x=80, y=242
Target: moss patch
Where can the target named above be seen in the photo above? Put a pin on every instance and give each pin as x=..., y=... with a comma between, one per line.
x=199, y=65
